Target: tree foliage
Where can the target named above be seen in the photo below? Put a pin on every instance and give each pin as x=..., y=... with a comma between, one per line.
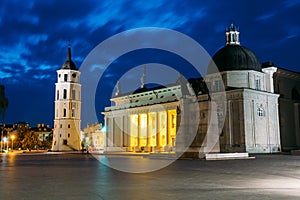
x=31, y=141
x=3, y=102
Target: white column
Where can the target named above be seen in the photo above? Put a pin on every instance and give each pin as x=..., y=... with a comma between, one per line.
x=269, y=78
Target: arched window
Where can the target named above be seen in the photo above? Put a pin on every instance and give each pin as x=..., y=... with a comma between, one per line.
x=260, y=112
x=57, y=97
x=65, y=112
x=65, y=93
x=74, y=94
x=65, y=77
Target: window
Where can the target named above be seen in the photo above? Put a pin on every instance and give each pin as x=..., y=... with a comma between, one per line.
x=73, y=112
x=73, y=94
x=65, y=77
x=257, y=84
x=69, y=126
x=68, y=135
x=260, y=112
x=60, y=125
x=217, y=85
x=57, y=96
x=65, y=142
x=295, y=94
x=65, y=93
x=65, y=112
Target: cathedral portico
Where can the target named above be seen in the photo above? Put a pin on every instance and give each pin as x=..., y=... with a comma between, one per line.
x=148, y=128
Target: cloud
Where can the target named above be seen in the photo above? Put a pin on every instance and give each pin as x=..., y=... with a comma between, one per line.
x=41, y=77
x=265, y=17
x=291, y=3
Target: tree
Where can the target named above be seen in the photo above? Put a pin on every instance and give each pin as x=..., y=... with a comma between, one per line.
x=31, y=141
x=3, y=102
x=20, y=133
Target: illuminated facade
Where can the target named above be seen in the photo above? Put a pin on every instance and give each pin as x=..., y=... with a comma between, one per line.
x=144, y=121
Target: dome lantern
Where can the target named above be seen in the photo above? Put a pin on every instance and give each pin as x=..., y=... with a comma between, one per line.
x=233, y=56
x=232, y=35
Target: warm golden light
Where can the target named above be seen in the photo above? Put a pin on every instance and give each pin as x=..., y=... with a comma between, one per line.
x=12, y=142
x=143, y=130
x=172, y=115
x=162, y=128
x=133, y=130
x=152, y=128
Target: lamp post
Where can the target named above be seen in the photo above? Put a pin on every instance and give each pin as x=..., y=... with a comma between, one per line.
x=12, y=142
x=2, y=136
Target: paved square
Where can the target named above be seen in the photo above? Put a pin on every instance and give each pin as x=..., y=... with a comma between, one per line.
x=81, y=176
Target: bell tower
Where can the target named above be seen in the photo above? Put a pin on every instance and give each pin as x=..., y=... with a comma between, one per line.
x=66, y=134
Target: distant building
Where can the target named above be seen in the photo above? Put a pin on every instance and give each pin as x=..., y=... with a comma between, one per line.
x=262, y=101
x=93, y=137
x=45, y=133
x=66, y=134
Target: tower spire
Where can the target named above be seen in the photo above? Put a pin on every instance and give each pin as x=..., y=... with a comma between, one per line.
x=69, y=64
x=69, y=51
x=232, y=35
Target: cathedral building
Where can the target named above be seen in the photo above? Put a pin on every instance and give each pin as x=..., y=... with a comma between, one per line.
x=259, y=114
x=66, y=134
x=252, y=117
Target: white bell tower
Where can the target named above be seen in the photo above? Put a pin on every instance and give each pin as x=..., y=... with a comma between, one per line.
x=66, y=134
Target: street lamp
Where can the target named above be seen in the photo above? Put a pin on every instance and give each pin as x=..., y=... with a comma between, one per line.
x=5, y=140
x=12, y=142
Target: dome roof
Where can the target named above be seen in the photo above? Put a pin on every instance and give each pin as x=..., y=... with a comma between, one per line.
x=69, y=64
x=235, y=57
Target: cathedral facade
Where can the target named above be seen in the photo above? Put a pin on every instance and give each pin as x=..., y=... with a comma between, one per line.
x=251, y=118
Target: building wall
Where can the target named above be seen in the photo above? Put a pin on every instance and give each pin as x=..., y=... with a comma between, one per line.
x=287, y=84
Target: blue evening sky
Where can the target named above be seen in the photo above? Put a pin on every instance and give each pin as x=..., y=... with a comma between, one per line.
x=34, y=38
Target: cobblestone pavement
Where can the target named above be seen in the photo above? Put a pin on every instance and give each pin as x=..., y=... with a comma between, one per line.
x=81, y=176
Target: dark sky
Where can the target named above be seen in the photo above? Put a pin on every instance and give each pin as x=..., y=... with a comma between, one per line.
x=34, y=39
